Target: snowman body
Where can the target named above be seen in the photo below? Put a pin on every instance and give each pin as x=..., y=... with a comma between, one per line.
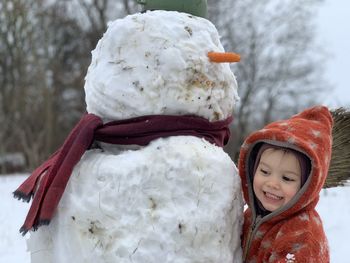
x=177, y=199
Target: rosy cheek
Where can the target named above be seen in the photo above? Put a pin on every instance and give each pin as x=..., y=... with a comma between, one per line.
x=292, y=192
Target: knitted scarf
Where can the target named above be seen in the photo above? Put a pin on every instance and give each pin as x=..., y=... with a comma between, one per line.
x=47, y=183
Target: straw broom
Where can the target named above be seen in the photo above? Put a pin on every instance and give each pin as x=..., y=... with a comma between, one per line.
x=339, y=170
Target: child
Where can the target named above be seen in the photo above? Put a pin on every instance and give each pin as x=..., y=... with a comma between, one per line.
x=283, y=168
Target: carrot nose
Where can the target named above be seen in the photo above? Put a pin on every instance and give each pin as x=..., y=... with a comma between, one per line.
x=223, y=57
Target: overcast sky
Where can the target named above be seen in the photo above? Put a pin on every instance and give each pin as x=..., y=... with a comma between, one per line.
x=334, y=32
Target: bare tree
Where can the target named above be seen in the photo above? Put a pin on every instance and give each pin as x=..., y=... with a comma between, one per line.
x=93, y=15
x=44, y=54
x=280, y=71
x=41, y=71
x=16, y=41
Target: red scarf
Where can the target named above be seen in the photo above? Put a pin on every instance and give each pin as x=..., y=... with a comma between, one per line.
x=141, y=130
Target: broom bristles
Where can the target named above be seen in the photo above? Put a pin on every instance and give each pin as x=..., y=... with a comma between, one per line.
x=339, y=170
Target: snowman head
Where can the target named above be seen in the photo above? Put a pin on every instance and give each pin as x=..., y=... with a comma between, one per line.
x=157, y=63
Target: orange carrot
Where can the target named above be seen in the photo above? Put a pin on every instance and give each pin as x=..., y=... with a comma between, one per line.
x=222, y=57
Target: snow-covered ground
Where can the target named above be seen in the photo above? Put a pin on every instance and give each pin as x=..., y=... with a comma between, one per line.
x=333, y=208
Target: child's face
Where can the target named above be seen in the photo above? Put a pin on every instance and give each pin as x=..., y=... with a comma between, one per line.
x=277, y=178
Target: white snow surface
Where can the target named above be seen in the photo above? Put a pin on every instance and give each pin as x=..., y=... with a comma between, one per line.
x=157, y=63
x=333, y=208
x=176, y=200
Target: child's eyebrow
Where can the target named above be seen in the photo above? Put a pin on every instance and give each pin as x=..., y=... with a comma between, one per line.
x=291, y=172
x=265, y=164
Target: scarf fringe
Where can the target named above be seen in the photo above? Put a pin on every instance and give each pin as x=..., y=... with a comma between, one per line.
x=22, y=196
x=23, y=230
x=43, y=222
x=26, y=190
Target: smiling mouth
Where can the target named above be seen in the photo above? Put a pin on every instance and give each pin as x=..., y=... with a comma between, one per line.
x=272, y=196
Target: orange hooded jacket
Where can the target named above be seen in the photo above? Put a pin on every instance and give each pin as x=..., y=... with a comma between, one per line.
x=293, y=232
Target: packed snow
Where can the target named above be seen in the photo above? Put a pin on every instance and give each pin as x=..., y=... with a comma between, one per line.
x=143, y=66
x=333, y=208
x=166, y=202
x=175, y=199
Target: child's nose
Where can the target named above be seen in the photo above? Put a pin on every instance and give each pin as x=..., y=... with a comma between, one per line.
x=273, y=182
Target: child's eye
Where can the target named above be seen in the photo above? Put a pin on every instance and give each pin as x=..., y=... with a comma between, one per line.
x=263, y=171
x=288, y=179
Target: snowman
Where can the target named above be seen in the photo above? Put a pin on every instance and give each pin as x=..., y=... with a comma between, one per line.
x=143, y=177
